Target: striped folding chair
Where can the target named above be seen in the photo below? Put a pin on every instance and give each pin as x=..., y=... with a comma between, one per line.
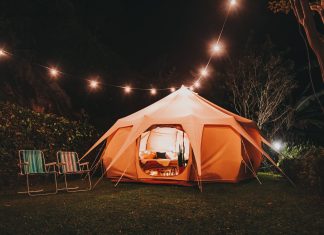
x=69, y=164
x=32, y=162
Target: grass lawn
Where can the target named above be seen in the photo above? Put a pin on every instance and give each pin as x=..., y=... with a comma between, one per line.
x=274, y=207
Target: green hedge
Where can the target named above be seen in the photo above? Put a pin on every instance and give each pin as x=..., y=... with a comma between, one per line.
x=21, y=128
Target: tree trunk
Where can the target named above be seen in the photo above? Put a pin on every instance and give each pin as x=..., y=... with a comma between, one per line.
x=302, y=10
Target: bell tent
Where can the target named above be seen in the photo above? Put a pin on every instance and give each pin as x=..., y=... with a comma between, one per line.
x=179, y=139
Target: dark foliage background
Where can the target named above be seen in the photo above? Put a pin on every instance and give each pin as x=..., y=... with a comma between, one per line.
x=304, y=164
x=21, y=128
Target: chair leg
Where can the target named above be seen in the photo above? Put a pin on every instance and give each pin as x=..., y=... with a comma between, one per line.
x=90, y=185
x=67, y=187
x=36, y=192
x=65, y=183
x=28, y=188
x=55, y=178
x=74, y=190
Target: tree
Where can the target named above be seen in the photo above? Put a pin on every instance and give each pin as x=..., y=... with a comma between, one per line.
x=307, y=120
x=260, y=81
x=303, y=12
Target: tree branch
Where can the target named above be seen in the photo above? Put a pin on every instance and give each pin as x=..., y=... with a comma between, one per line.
x=319, y=8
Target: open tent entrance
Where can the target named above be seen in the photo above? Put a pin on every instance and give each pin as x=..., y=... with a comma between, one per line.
x=164, y=150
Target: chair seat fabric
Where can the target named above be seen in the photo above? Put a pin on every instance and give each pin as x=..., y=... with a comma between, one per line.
x=70, y=160
x=35, y=160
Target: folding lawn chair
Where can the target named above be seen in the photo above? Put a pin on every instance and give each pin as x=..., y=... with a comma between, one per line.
x=32, y=162
x=69, y=164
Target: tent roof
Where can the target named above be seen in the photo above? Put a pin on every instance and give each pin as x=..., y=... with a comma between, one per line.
x=183, y=103
x=180, y=107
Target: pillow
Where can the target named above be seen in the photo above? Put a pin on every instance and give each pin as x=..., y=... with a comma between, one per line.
x=160, y=155
x=149, y=156
x=171, y=155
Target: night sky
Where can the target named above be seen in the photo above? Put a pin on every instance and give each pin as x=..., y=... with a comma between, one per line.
x=144, y=43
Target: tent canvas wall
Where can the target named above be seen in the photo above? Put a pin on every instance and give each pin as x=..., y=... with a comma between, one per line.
x=224, y=147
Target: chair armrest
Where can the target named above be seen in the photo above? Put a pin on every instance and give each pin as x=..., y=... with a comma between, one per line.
x=50, y=167
x=83, y=163
x=61, y=163
x=23, y=163
x=50, y=164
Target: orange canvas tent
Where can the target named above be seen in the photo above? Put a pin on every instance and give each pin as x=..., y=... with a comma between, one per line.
x=179, y=139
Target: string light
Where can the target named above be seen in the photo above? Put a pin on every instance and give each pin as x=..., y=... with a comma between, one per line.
x=204, y=72
x=93, y=84
x=53, y=72
x=153, y=91
x=216, y=48
x=127, y=89
x=233, y=2
x=2, y=53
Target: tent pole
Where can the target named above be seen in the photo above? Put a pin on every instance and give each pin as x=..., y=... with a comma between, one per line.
x=254, y=174
x=248, y=138
x=252, y=169
x=122, y=174
x=101, y=164
x=198, y=178
x=100, y=178
x=119, y=154
x=102, y=175
x=273, y=163
x=96, y=167
x=92, y=165
x=149, y=134
x=183, y=147
x=281, y=171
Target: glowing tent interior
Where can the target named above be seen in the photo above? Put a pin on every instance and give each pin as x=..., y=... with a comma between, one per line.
x=179, y=139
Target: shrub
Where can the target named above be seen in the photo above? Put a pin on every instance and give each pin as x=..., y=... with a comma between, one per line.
x=305, y=165
x=21, y=128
